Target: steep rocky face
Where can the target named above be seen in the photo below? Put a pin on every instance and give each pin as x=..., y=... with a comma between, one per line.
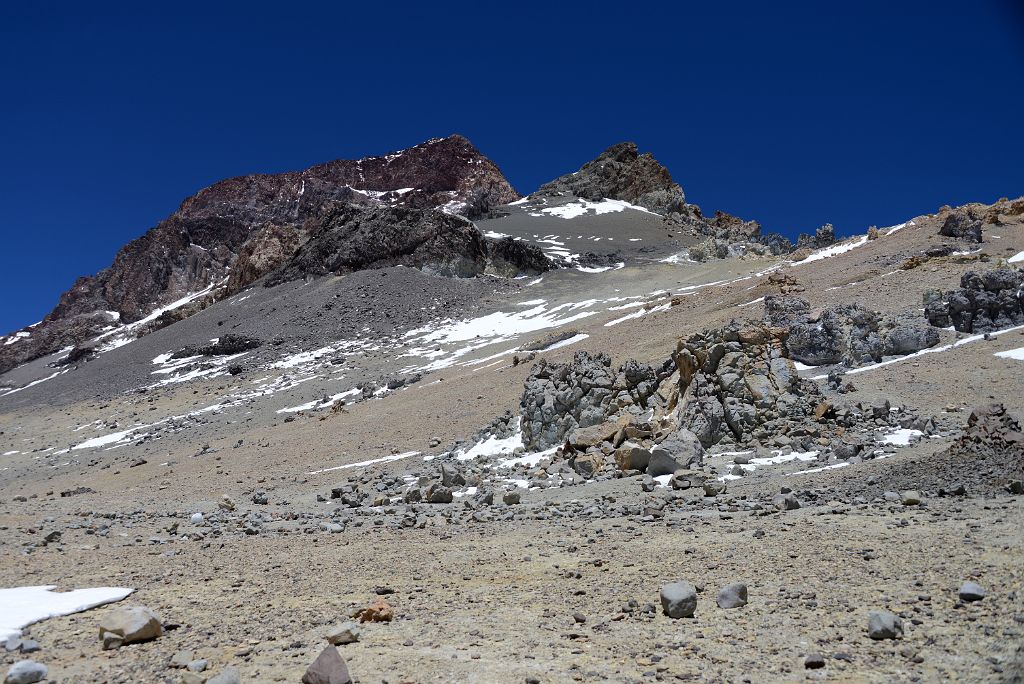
x=352, y=238
x=258, y=222
x=622, y=173
x=846, y=334
x=984, y=302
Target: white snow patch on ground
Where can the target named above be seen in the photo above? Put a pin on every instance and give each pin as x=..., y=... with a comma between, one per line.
x=320, y=403
x=835, y=250
x=495, y=235
x=35, y=382
x=11, y=453
x=778, y=458
x=1017, y=354
x=580, y=208
x=493, y=446
x=901, y=437
x=579, y=337
x=362, y=464
x=23, y=606
x=638, y=314
x=1016, y=258
x=802, y=366
x=529, y=460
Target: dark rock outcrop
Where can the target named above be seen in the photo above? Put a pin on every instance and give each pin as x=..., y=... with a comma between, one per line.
x=984, y=302
x=846, y=334
x=962, y=224
x=225, y=346
x=621, y=173
x=353, y=237
x=823, y=237
x=259, y=221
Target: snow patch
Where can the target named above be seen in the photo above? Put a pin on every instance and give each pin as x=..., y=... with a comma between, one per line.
x=23, y=606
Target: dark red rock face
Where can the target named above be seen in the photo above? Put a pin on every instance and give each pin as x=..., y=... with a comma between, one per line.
x=267, y=218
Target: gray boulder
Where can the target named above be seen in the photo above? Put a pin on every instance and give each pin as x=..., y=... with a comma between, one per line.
x=960, y=224
x=229, y=675
x=25, y=672
x=328, y=668
x=681, y=450
x=732, y=595
x=679, y=599
x=971, y=591
x=884, y=625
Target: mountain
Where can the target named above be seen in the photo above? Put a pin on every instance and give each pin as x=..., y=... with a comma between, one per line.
x=264, y=219
x=615, y=418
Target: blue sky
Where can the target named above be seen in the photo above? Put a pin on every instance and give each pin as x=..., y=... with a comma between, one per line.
x=794, y=113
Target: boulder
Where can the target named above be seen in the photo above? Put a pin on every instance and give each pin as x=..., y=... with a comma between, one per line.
x=971, y=591
x=732, y=595
x=345, y=633
x=632, y=456
x=328, y=668
x=229, y=675
x=884, y=625
x=130, y=624
x=25, y=672
x=679, y=600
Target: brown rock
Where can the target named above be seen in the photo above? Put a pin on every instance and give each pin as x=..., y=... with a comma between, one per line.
x=378, y=611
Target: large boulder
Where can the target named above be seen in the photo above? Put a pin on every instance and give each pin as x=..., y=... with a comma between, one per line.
x=129, y=625
x=961, y=224
x=682, y=449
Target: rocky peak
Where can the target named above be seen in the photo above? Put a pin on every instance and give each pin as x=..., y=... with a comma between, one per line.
x=622, y=173
x=266, y=217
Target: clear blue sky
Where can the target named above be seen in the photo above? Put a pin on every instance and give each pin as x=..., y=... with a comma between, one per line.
x=792, y=113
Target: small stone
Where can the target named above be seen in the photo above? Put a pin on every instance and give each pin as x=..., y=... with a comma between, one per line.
x=971, y=591
x=732, y=596
x=579, y=618
x=511, y=498
x=910, y=498
x=229, y=675
x=785, y=502
x=25, y=672
x=884, y=625
x=111, y=641
x=29, y=646
x=328, y=668
x=1015, y=487
x=199, y=665
x=679, y=599
x=260, y=498
x=196, y=519
x=345, y=633
x=815, y=661
x=378, y=611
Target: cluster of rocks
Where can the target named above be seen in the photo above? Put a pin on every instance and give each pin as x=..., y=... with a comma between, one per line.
x=823, y=237
x=559, y=398
x=725, y=236
x=984, y=302
x=846, y=334
x=962, y=223
x=621, y=173
x=226, y=345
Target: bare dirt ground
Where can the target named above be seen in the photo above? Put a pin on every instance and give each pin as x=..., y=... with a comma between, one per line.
x=541, y=592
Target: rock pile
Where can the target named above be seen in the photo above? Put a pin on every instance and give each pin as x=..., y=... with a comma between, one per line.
x=846, y=334
x=962, y=224
x=984, y=302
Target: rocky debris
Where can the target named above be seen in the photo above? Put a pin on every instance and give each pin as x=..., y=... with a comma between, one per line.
x=884, y=625
x=328, y=668
x=823, y=237
x=679, y=600
x=621, y=173
x=732, y=595
x=962, y=224
x=345, y=633
x=846, y=334
x=129, y=625
x=26, y=672
x=226, y=345
x=355, y=237
x=725, y=236
x=984, y=302
x=970, y=592
x=734, y=383
x=560, y=398
x=268, y=217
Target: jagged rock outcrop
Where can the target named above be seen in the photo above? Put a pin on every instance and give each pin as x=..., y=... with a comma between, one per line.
x=259, y=221
x=984, y=302
x=962, y=224
x=621, y=173
x=735, y=383
x=846, y=334
x=353, y=237
x=823, y=237
x=560, y=398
